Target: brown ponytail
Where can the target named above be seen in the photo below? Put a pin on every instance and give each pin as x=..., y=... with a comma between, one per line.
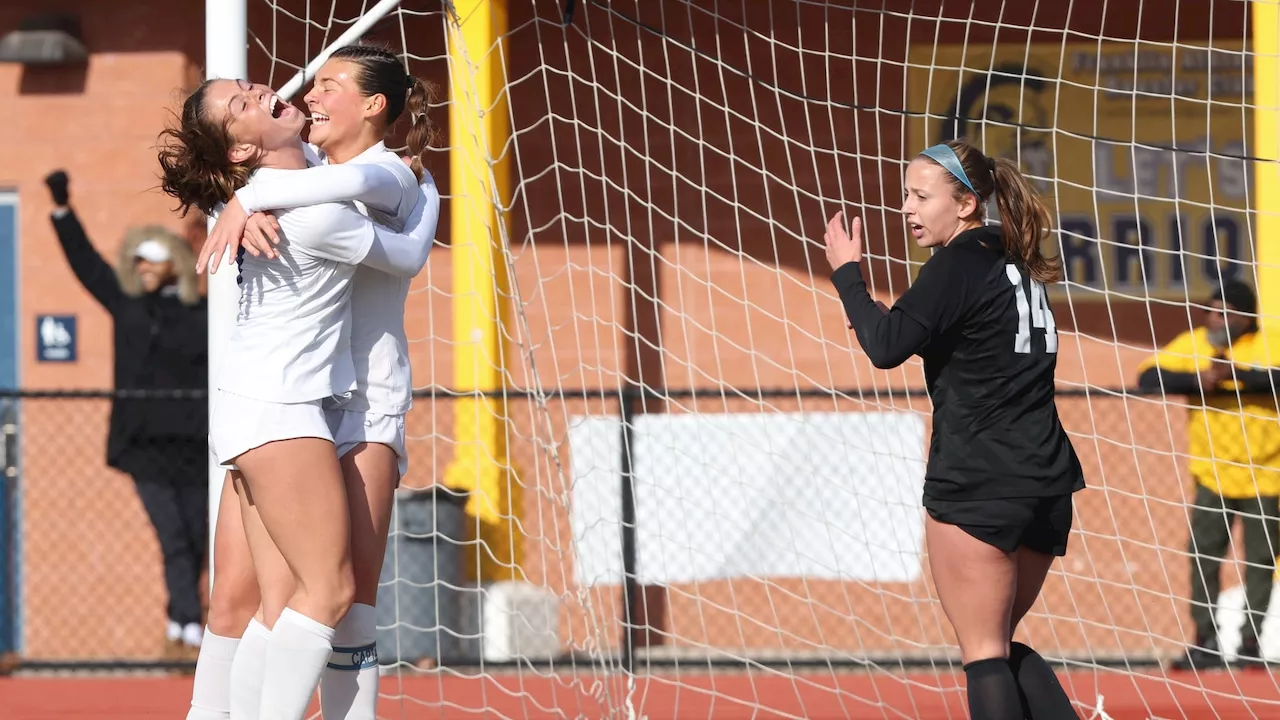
x=422, y=131
x=193, y=154
x=1024, y=220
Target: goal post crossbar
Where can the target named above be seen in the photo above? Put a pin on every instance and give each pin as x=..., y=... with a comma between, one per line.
x=353, y=34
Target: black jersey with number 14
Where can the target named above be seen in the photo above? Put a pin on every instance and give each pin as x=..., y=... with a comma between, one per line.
x=989, y=363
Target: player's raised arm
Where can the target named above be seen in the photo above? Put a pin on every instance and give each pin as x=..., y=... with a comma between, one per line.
x=888, y=339
x=338, y=233
x=376, y=185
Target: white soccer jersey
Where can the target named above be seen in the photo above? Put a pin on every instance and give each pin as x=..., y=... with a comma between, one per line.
x=385, y=188
x=291, y=339
x=384, y=378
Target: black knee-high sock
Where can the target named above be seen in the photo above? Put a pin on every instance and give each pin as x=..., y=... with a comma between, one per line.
x=993, y=693
x=1042, y=695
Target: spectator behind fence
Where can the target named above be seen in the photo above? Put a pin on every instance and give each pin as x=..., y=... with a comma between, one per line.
x=1234, y=445
x=160, y=439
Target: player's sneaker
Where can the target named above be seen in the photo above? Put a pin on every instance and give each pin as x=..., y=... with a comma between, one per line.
x=1204, y=655
x=1249, y=657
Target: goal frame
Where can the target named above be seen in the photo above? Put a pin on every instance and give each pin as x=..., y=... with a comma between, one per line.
x=226, y=55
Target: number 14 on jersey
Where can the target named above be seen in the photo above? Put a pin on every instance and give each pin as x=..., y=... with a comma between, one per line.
x=1033, y=313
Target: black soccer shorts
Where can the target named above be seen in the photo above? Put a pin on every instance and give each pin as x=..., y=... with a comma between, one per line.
x=1042, y=524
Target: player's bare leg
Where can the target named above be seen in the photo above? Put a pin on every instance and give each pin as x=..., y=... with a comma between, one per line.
x=232, y=603
x=1033, y=567
x=349, y=685
x=234, y=597
x=976, y=585
x=272, y=576
x=297, y=489
x=1043, y=697
x=371, y=472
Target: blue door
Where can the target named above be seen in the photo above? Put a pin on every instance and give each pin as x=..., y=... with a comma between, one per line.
x=9, y=565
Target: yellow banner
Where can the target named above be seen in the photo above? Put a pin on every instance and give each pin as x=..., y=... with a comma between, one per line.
x=1137, y=150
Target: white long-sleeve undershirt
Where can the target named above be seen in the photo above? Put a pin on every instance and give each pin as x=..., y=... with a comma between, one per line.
x=377, y=186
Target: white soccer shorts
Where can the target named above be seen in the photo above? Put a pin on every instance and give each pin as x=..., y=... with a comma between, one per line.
x=352, y=427
x=240, y=424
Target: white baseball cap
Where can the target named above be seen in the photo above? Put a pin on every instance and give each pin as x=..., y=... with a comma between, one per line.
x=153, y=251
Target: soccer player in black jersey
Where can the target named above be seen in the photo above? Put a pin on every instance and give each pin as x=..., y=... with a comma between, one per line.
x=1001, y=468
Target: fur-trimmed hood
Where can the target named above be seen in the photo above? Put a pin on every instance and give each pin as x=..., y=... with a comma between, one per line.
x=184, y=261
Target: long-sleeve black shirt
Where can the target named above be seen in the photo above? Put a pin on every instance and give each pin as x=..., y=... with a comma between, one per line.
x=989, y=342
x=888, y=339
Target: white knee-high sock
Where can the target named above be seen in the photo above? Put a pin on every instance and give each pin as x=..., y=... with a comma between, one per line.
x=211, y=691
x=349, y=685
x=296, y=656
x=246, y=671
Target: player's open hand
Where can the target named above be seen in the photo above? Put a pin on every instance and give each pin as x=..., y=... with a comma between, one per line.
x=226, y=233
x=843, y=247
x=261, y=233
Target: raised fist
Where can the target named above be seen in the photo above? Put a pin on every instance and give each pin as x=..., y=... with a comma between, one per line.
x=58, y=187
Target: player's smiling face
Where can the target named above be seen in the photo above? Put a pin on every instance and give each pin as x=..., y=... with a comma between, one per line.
x=256, y=117
x=934, y=211
x=338, y=109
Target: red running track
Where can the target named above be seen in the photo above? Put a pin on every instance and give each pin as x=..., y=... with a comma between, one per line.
x=690, y=696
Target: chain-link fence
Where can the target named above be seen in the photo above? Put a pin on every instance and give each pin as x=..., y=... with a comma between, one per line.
x=84, y=581
x=85, y=573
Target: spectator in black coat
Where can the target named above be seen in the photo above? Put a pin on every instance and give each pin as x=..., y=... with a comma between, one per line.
x=159, y=436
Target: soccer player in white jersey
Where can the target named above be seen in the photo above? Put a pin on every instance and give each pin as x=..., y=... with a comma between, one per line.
x=288, y=353
x=358, y=95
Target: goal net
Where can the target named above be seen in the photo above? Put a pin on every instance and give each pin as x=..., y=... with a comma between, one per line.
x=651, y=471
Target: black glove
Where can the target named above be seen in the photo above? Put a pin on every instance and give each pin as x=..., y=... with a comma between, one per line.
x=57, y=182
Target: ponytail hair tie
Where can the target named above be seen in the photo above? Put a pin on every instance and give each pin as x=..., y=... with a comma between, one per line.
x=409, y=80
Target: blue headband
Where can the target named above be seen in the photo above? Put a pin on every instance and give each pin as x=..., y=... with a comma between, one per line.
x=946, y=157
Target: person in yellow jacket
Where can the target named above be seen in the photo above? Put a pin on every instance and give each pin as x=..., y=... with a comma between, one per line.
x=1233, y=439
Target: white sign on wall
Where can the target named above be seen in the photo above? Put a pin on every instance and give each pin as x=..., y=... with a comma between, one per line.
x=816, y=495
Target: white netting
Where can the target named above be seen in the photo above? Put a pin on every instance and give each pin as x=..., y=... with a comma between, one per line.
x=672, y=165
